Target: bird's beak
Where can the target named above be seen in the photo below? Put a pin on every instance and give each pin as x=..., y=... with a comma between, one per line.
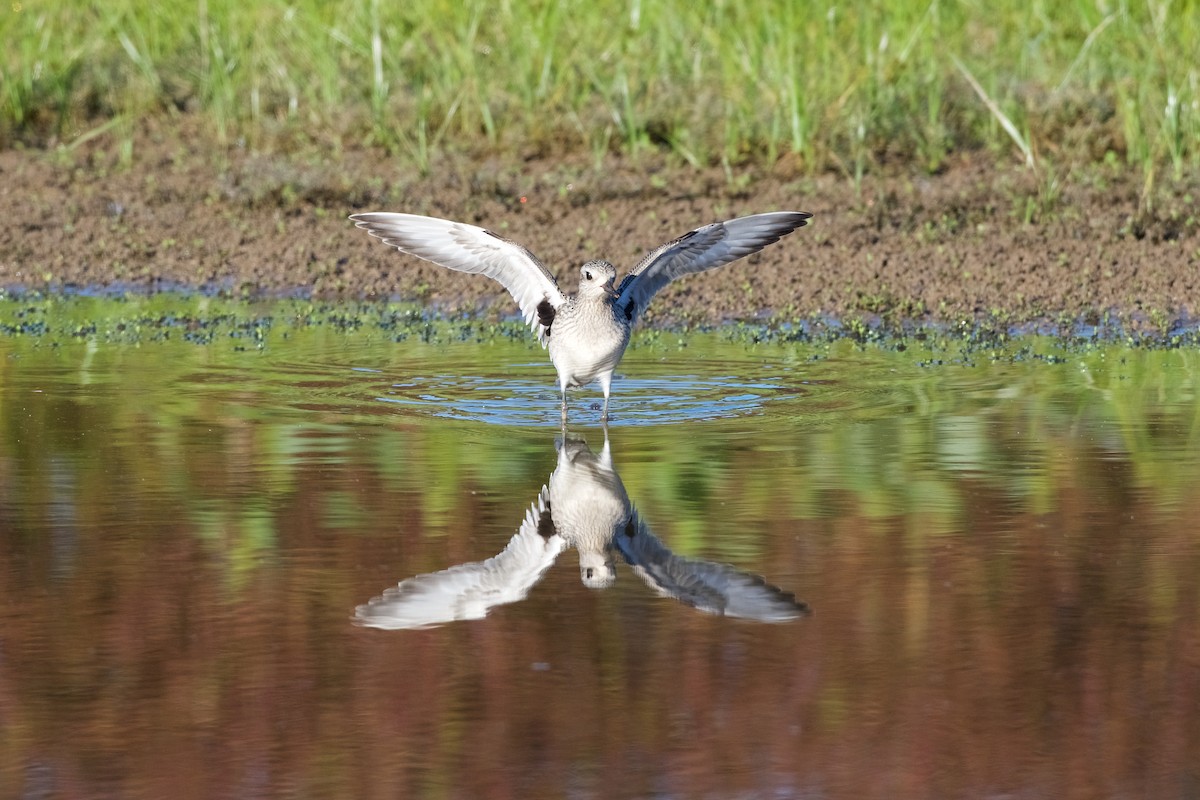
x=611, y=288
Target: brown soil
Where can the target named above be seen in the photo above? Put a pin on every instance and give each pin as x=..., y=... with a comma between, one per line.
x=973, y=240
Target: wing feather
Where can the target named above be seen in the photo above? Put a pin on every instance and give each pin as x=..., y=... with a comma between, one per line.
x=470, y=591
x=703, y=249
x=468, y=248
x=705, y=585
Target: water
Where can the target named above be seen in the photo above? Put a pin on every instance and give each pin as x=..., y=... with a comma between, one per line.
x=999, y=555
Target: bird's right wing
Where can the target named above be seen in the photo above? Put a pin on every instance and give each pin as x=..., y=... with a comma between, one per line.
x=705, y=585
x=467, y=248
x=705, y=248
x=469, y=591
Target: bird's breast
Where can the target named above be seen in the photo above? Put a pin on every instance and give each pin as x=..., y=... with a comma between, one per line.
x=588, y=339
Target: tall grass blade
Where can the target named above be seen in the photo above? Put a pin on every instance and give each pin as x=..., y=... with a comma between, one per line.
x=998, y=113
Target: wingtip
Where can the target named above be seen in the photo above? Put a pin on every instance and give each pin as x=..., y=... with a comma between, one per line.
x=786, y=220
x=364, y=217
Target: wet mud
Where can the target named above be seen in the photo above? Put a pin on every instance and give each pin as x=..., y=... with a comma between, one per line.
x=178, y=211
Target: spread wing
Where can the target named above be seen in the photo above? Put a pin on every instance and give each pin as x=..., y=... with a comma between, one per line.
x=705, y=585
x=467, y=248
x=703, y=249
x=469, y=591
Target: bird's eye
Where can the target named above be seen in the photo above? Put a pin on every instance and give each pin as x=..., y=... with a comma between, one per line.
x=587, y=276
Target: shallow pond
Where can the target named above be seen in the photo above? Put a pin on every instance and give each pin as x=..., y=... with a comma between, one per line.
x=979, y=564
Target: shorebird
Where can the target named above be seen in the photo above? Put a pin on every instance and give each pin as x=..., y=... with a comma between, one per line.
x=584, y=505
x=585, y=332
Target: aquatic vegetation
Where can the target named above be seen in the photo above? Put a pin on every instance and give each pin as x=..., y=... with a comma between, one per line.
x=52, y=320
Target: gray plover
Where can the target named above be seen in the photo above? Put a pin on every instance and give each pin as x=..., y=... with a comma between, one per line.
x=583, y=505
x=585, y=332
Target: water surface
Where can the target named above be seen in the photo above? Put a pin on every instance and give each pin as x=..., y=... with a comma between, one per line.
x=998, y=551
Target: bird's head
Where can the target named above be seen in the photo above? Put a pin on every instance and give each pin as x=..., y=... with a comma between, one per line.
x=598, y=278
x=597, y=569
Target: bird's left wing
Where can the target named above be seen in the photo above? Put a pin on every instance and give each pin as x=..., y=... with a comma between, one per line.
x=705, y=585
x=468, y=248
x=703, y=249
x=470, y=591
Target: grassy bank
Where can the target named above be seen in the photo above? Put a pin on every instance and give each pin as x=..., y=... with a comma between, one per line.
x=848, y=86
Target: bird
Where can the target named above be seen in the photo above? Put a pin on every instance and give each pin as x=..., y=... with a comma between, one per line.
x=583, y=505
x=586, y=332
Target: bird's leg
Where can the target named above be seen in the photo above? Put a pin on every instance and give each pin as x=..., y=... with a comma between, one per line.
x=605, y=385
x=564, y=408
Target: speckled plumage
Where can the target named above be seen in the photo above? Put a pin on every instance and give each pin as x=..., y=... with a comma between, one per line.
x=589, y=334
x=589, y=506
x=586, y=332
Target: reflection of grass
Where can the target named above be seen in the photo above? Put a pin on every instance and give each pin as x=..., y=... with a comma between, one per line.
x=218, y=438
x=833, y=84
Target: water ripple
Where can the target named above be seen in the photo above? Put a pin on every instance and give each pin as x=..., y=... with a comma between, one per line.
x=663, y=400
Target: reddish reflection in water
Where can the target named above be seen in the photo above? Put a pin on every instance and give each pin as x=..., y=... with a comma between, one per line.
x=1047, y=655
x=177, y=601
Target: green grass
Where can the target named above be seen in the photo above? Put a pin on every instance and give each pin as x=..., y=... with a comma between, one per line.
x=852, y=86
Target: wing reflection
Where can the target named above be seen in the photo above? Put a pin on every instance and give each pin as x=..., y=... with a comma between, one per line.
x=469, y=591
x=705, y=585
x=584, y=505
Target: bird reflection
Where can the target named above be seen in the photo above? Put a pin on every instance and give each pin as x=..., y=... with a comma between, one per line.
x=584, y=505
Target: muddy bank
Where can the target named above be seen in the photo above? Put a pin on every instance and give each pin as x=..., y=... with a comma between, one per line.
x=975, y=240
